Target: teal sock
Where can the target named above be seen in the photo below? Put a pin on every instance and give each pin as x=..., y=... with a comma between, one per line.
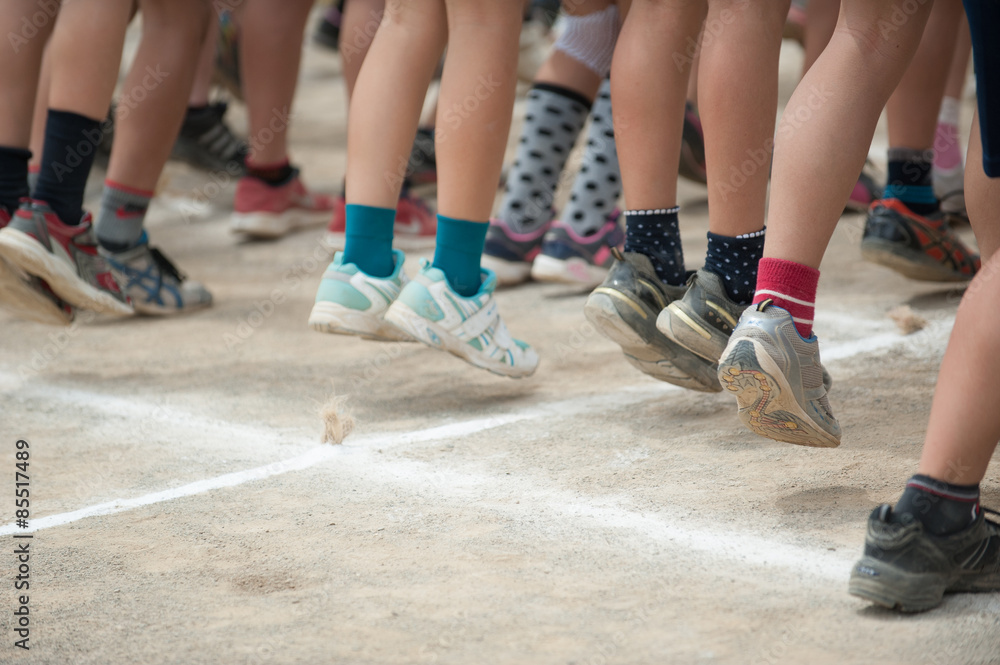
x=459, y=248
x=368, y=239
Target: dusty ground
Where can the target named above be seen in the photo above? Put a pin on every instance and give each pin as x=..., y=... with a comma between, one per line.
x=586, y=515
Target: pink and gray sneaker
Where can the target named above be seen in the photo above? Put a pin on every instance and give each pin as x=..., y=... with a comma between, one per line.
x=261, y=210
x=27, y=297
x=570, y=258
x=38, y=244
x=415, y=227
x=865, y=192
x=510, y=254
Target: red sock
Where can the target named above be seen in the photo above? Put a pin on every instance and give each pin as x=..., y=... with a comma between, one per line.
x=792, y=286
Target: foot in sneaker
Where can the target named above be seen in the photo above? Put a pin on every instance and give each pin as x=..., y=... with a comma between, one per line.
x=206, y=142
x=64, y=257
x=432, y=312
x=624, y=310
x=921, y=248
x=703, y=319
x=27, y=297
x=155, y=286
x=778, y=380
x=414, y=229
x=349, y=302
x=574, y=259
x=509, y=254
x=265, y=211
x=906, y=567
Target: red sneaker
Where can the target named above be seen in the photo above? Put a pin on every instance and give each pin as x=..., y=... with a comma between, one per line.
x=415, y=227
x=39, y=244
x=263, y=211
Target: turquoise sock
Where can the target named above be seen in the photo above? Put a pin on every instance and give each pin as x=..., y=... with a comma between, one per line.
x=368, y=241
x=459, y=248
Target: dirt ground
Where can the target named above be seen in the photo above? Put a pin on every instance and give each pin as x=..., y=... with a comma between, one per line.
x=186, y=512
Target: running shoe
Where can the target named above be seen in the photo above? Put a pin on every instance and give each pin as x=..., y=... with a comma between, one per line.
x=778, y=379
x=692, y=164
x=624, y=310
x=206, y=142
x=415, y=227
x=350, y=302
x=703, y=319
x=65, y=257
x=155, y=286
x=261, y=210
x=866, y=191
x=906, y=568
x=921, y=248
x=574, y=259
x=510, y=254
x=27, y=297
x=432, y=312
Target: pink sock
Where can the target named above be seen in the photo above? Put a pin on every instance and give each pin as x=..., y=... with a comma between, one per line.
x=947, y=144
x=792, y=287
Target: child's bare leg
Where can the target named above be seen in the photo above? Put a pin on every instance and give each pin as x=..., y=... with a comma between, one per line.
x=833, y=111
x=358, y=24
x=982, y=198
x=821, y=20
x=202, y=85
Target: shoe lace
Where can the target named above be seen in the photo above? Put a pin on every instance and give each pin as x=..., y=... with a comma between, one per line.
x=165, y=266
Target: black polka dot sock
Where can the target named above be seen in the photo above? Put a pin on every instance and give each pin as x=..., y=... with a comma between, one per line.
x=552, y=122
x=656, y=234
x=944, y=508
x=598, y=184
x=735, y=261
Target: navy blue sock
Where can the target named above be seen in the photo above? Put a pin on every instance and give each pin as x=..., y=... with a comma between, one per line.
x=368, y=239
x=13, y=177
x=735, y=261
x=656, y=234
x=942, y=507
x=459, y=249
x=71, y=141
x=910, y=179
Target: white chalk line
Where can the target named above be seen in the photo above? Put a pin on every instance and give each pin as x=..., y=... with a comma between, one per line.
x=723, y=543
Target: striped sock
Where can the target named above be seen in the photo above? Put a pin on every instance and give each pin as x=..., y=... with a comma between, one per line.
x=943, y=508
x=792, y=287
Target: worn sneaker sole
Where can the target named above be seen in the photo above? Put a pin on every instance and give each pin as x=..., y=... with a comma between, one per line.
x=915, y=265
x=271, y=225
x=509, y=273
x=427, y=332
x=331, y=317
x=894, y=588
x=18, y=298
x=767, y=403
x=681, y=325
x=26, y=253
x=576, y=271
x=620, y=319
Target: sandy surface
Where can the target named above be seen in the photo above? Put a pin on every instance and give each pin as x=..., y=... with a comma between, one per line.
x=586, y=515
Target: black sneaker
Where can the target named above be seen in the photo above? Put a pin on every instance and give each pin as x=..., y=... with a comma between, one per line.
x=206, y=142
x=704, y=318
x=907, y=568
x=918, y=247
x=624, y=309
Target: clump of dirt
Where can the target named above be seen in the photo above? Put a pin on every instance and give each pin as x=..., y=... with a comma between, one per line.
x=338, y=422
x=908, y=321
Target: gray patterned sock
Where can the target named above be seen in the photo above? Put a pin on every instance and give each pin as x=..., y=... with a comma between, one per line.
x=598, y=184
x=552, y=122
x=121, y=217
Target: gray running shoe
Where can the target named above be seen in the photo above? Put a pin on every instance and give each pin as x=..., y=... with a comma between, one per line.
x=907, y=568
x=778, y=379
x=703, y=319
x=510, y=254
x=624, y=309
x=154, y=284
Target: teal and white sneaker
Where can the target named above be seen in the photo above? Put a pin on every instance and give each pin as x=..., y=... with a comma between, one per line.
x=470, y=328
x=349, y=302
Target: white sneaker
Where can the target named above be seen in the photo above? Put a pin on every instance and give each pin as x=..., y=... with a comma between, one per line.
x=349, y=302
x=471, y=328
